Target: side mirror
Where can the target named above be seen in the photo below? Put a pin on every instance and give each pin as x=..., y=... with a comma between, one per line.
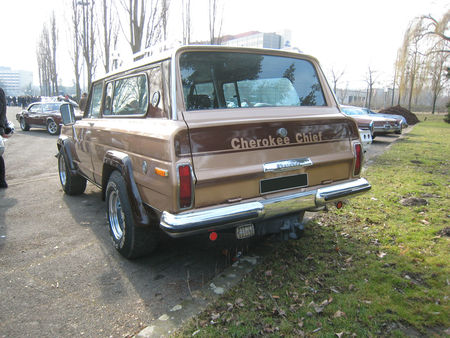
x=67, y=114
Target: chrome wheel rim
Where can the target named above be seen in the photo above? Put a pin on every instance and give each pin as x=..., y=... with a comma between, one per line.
x=62, y=169
x=52, y=127
x=116, y=216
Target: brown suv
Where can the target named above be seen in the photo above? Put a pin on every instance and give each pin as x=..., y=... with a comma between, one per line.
x=208, y=139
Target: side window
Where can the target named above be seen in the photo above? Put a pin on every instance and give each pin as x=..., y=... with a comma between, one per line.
x=130, y=96
x=96, y=98
x=35, y=108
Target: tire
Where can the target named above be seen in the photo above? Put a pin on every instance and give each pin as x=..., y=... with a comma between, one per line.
x=71, y=184
x=398, y=132
x=23, y=124
x=130, y=240
x=52, y=127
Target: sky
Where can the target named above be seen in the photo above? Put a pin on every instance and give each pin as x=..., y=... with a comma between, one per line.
x=347, y=36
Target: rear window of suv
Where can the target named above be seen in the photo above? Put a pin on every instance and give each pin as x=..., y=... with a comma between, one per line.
x=216, y=80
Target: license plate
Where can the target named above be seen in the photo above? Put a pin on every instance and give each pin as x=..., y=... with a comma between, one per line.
x=283, y=183
x=245, y=231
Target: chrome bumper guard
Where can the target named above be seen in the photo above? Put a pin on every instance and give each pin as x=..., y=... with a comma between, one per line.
x=222, y=217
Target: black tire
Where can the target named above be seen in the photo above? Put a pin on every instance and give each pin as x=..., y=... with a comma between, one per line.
x=72, y=184
x=398, y=132
x=23, y=124
x=52, y=127
x=130, y=240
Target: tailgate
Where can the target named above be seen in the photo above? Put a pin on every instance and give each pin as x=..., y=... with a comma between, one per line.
x=243, y=159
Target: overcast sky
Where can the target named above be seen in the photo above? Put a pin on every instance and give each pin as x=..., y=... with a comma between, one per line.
x=347, y=35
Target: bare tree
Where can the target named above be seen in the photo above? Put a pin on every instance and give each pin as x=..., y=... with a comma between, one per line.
x=155, y=23
x=46, y=58
x=215, y=22
x=414, y=56
x=370, y=80
x=54, y=41
x=43, y=58
x=421, y=55
x=76, y=45
x=401, y=65
x=144, y=26
x=336, y=76
x=186, y=17
x=110, y=31
x=437, y=28
x=164, y=17
x=88, y=37
x=438, y=71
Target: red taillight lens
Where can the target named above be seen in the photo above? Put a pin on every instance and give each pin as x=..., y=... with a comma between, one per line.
x=358, y=159
x=184, y=173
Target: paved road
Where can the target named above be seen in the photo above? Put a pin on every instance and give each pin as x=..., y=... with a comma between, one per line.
x=59, y=273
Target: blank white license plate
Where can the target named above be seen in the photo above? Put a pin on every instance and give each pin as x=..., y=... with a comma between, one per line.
x=245, y=231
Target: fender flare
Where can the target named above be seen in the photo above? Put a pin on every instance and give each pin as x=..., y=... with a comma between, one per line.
x=116, y=160
x=64, y=144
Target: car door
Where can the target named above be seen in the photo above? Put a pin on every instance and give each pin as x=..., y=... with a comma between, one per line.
x=33, y=114
x=83, y=129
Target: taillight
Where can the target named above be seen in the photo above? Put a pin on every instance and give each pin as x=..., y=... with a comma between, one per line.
x=185, y=190
x=358, y=159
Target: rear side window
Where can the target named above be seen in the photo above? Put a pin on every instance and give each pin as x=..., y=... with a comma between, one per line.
x=130, y=96
x=213, y=80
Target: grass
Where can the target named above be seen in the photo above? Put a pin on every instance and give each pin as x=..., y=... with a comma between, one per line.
x=374, y=268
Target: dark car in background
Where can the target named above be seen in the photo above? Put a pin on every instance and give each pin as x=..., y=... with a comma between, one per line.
x=43, y=115
x=380, y=125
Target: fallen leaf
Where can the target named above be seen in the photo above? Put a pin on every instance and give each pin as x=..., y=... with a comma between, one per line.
x=381, y=254
x=340, y=334
x=239, y=302
x=339, y=314
x=214, y=315
x=268, y=273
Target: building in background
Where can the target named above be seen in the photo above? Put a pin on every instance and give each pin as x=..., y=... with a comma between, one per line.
x=16, y=82
x=259, y=40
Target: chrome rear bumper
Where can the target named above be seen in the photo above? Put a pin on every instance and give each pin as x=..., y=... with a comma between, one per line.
x=222, y=217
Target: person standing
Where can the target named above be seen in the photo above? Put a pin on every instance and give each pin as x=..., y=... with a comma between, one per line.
x=83, y=101
x=4, y=131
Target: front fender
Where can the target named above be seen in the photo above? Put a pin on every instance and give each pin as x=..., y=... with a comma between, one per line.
x=116, y=160
x=65, y=145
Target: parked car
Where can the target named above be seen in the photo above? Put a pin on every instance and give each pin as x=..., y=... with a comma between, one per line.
x=43, y=115
x=211, y=139
x=381, y=125
x=404, y=123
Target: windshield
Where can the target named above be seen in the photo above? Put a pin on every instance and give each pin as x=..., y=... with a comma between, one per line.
x=213, y=80
x=353, y=111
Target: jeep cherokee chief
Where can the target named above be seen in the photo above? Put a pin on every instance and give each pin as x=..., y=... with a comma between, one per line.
x=207, y=139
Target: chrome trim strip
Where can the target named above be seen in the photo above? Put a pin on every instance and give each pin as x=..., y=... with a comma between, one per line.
x=287, y=165
x=222, y=217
